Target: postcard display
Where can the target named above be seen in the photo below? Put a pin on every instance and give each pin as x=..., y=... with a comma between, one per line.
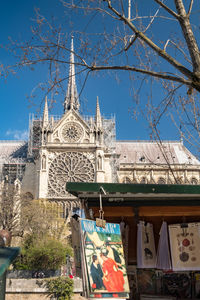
x=185, y=245
x=103, y=263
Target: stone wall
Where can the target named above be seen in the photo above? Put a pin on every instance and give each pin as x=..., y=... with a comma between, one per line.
x=33, y=289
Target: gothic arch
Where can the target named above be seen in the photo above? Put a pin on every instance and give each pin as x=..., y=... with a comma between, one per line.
x=194, y=181
x=161, y=180
x=126, y=179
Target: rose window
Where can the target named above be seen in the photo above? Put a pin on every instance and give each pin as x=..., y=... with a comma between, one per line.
x=69, y=167
x=72, y=132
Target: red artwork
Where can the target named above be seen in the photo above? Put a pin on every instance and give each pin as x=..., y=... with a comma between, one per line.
x=113, y=277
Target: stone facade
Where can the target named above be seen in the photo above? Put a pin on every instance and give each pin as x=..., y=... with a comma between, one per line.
x=150, y=162
x=34, y=289
x=76, y=148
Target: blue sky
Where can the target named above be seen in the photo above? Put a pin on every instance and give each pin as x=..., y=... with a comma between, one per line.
x=115, y=96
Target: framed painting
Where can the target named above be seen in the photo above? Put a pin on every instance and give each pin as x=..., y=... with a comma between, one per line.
x=103, y=261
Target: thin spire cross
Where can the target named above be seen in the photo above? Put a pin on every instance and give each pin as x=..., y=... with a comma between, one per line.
x=71, y=99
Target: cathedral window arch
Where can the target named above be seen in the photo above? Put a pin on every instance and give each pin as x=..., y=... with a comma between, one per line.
x=161, y=180
x=69, y=167
x=194, y=181
x=126, y=180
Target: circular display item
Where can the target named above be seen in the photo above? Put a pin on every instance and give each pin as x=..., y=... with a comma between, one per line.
x=185, y=242
x=184, y=256
x=72, y=132
x=193, y=258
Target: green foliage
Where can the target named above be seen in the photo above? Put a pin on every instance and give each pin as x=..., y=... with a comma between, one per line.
x=42, y=254
x=61, y=287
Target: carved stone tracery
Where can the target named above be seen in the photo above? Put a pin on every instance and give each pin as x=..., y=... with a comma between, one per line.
x=69, y=167
x=72, y=132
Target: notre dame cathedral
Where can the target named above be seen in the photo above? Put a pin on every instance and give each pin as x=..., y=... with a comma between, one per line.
x=80, y=149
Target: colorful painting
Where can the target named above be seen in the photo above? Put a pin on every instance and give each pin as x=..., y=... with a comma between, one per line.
x=104, y=260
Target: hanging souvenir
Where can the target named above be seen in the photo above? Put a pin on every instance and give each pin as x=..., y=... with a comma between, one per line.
x=146, y=253
x=185, y=245
x=163, y=254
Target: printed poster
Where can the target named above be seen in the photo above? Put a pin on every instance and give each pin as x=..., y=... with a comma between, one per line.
x=185, y=245
x=105, y=268
x=146, y=252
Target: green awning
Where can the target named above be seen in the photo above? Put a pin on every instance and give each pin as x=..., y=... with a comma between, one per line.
x=136, y=194
x=7, y=255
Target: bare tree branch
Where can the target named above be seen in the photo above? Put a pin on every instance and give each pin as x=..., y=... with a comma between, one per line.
x=147, y=72
x=169, y=10
x=179, y=48
x=157, y=49
x=190, y=8
x=189, y=36
x=152, y=19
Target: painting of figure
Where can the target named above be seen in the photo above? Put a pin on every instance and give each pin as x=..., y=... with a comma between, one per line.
x=104, y=259
x=96, y=273
x=113, y=277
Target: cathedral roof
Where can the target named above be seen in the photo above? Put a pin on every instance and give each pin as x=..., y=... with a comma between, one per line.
x=13, y=152
x=151, y=152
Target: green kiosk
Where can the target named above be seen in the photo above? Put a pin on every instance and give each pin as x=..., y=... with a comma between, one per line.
x=7, y=255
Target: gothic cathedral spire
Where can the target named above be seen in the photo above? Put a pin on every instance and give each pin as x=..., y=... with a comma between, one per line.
x=71, y=98
x=45, y=120
x=98, y=119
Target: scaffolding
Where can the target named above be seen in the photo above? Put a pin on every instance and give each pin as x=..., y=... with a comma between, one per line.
x=35, y=135
x=11, y=172
x=109, y=132
x=13, y=156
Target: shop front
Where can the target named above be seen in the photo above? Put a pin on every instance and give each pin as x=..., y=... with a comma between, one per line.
x=160, y=230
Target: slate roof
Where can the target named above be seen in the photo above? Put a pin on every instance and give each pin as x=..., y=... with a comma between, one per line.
x=13, y=152
x=137, y=152
x=151, y=152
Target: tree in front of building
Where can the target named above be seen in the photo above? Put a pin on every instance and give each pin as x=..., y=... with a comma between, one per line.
x=42, y=253
x=157, y=44
x=11, y=205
